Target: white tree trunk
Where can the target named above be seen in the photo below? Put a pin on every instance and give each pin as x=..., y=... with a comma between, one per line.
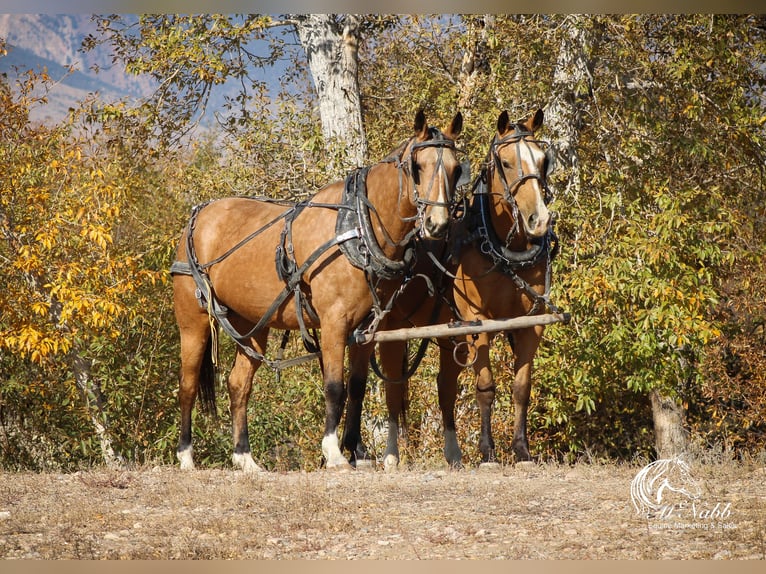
x=331, y=45
x=562, y=115
x=474, y=63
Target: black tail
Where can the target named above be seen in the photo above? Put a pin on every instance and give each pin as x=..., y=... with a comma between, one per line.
x=207, y=381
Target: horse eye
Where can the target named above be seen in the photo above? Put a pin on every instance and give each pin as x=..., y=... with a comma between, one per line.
x=506, y=164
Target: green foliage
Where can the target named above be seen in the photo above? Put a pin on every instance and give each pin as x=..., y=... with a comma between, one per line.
x=646, y=250
x=287, y=417
x=187, y=55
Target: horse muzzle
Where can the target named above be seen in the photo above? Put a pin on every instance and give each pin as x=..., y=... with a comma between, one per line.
x=436, y=225
x=537, y=223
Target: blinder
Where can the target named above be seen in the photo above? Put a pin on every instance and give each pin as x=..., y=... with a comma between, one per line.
x=414, y=170
x=550, y=161
x=465, y=174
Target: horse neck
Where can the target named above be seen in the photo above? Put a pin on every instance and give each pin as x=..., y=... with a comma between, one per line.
x=393, y=215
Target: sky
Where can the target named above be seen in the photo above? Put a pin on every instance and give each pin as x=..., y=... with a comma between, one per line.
x=376, y=6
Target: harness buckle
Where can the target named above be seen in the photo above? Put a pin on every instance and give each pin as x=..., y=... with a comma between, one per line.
x=200, y=298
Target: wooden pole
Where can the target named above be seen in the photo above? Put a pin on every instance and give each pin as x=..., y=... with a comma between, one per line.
x=465, y=328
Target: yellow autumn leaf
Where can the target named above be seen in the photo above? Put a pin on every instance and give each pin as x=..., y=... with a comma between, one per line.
x=40, y=308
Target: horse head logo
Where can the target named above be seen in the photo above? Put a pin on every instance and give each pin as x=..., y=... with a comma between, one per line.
x=662, y=483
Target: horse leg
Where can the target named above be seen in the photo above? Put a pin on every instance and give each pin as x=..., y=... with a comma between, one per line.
x=359, y=359
x=393, y=358
x=240, y=385
x=525, y=343
x=196, y=362
x=485, y=397
x=446, y=381
x=333, y=354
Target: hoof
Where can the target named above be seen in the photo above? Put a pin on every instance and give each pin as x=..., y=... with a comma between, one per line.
x=246, y=463
x=391, y=463
x=334, y=460
x=490, y=467
x=186, y=459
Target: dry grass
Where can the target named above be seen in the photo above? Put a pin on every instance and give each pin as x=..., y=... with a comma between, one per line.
x=543, y=511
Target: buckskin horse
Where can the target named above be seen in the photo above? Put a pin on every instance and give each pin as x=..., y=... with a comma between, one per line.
x=496, y=263
x=335, y=259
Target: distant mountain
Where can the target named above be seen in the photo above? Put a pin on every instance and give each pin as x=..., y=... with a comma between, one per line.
x=53, y=43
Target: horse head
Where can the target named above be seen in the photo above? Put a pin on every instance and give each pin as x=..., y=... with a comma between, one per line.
x=521, y=167
x=434, y=171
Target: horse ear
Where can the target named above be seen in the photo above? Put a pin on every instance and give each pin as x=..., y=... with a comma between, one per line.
x=503, y=122
x=421, y=127
x=455, y=127
x=533, y=123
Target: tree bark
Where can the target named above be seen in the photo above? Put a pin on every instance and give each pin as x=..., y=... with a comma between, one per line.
x=475, y=62
x=94, y=401
x=670, y=436
x=570, y=78
x=331, y=44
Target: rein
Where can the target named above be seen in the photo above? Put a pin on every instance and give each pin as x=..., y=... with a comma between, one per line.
x=437, y=290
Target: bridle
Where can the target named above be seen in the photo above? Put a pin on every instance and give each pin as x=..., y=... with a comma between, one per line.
x=407, y=164
x=518, y=138
x=404, y=159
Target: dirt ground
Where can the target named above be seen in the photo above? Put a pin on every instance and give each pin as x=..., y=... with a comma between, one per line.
x=526, y=511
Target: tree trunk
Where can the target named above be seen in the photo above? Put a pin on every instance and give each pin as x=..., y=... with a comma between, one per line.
x=332, y=49
x=94, y=402
x=475, y=62
x=670, y=436
x=571, y=82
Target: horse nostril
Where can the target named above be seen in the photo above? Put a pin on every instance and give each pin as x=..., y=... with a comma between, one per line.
x=533, y=221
